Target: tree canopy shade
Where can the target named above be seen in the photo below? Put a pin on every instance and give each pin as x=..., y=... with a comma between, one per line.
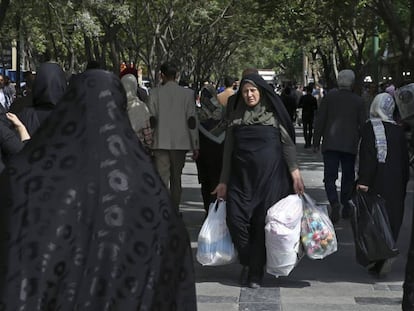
x=211, y=38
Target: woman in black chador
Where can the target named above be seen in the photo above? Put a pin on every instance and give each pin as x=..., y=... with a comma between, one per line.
x=259, y=169
x=383, y=165
x=90, y=224
x=48, y=88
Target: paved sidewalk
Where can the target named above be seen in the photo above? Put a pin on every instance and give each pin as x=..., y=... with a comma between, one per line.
x=334, y=283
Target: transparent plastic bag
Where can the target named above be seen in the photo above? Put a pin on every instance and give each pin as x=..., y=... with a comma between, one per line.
x=215, y=246
x=282, y=233
x=317, y=233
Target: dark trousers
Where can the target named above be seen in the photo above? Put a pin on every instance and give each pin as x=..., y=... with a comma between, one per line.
x=332, y=160
x=307, y=131
x=170, y=164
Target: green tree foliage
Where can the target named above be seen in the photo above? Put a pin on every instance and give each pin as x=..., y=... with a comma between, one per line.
x=398, y=17
x=335, y=33
x=210, y=38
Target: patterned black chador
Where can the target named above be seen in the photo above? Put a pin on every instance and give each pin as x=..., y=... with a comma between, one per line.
x=89, y=224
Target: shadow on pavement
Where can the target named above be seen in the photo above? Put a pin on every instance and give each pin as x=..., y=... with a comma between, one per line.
x=338, y=267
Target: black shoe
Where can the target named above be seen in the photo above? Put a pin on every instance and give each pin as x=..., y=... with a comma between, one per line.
x=254, y=285
x=386, y=266
x=408, y=300
x=335, y=212
x=374, y=267
x=244, y=276
x=381, y=268
x=255, y=279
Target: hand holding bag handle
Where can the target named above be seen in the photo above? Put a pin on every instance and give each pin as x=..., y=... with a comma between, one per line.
x=215, y=246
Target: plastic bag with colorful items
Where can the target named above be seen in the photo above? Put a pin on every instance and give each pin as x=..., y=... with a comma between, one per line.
x=317, y=231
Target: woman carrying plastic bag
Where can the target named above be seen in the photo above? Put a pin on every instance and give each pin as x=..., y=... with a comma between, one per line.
x=317, y=232
x=215, y=246
x=384, y=169
x=282, y=233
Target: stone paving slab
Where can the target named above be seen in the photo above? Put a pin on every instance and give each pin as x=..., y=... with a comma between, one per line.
x=264, y=306
x=265, y=295
x=338, y=307
x=216, y=289
x=218, y=307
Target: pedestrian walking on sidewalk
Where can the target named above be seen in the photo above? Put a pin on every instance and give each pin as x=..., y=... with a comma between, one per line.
x=339, y=121
x=48, y=88
x=174, y=119
x=212, y=129
x=309, y=105
x=89, y=224
x=383, y=165
x=137, y=111
x=259, y=169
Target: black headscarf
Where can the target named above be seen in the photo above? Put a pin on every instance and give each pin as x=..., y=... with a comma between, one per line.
x=48, y=88
x=49, y=85
x=90, y=222
x=271, y=97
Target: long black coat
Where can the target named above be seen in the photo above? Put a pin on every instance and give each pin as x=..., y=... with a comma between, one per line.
x=387, y=179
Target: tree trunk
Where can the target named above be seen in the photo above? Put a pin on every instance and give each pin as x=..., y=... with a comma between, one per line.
x=4, y=6
x=88, y=48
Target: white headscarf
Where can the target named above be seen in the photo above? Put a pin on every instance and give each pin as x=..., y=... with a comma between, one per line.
x=382, y=109
x=137, y=110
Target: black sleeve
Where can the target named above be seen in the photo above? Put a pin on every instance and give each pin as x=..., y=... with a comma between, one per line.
x=9, y=141
x=321, y=119
x=367, y=157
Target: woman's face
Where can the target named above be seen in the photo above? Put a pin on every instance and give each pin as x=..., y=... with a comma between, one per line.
x=251, y=94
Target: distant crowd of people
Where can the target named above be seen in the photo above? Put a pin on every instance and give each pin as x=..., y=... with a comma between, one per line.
x=91, y=178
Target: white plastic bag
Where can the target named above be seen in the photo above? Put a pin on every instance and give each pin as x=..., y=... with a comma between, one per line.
x=317, y=234
x=215, y=246
x=282, y=233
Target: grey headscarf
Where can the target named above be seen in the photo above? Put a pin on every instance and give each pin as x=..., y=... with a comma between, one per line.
x=404, y=98
x=382, y=109
x=259, y=114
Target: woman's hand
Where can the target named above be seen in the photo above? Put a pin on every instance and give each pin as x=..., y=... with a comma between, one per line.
x=298, y=185
x=362, y=188
x=14, y=119
x=220, y=191
x=196, y=153
x=24, y=135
